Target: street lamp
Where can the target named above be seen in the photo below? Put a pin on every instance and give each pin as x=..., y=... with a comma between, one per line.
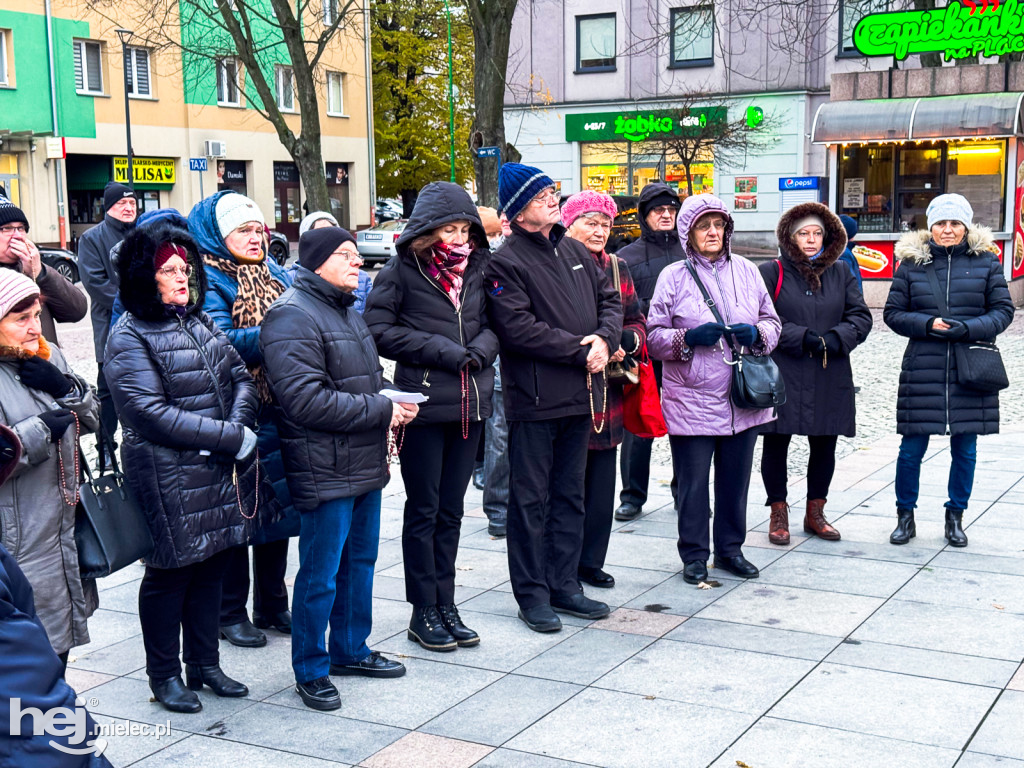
x=124, y=35
x=451, y=100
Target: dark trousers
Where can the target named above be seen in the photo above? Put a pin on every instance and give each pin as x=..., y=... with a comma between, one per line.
x=733, y=456
x=821, y=465
x=269, y=593
x=547, y=463
x=437, y=464
x=964, y=451
x=108, y=416
x=181, y=601
x=599, y=503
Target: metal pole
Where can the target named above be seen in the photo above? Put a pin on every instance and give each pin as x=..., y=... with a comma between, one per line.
x=370, y=143
x=58, y=163
x=451, y=100
x=126, y=35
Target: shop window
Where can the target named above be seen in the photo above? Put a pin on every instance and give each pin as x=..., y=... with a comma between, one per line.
x=227, y=82
x=336, y=94
x=88, y=67
x=850, y=12
x=920, y=181
x=604, y=167
x=693, y=36
x=136, y=63
x=5, y=76
x=330, y=12
x=977, y=171
x=595, y=43
x=866, y=186
x=284, y=81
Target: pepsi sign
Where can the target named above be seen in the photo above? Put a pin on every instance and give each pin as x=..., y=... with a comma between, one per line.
x=798, y=182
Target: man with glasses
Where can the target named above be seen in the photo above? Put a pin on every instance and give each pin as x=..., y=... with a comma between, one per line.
x=557, y=316
x=62, y=301
x=657, y=247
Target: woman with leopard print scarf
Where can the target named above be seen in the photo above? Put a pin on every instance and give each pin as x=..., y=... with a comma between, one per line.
x=243, y=283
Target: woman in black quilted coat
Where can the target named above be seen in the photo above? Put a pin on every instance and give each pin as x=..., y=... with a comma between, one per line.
x=188, y=407
x=931, y=400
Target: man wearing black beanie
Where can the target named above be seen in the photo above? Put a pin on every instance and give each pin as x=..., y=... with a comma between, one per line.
x=99, y=276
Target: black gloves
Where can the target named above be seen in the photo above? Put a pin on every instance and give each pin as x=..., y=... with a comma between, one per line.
x=474, y=361
x=832, y=343
x=37, y=373
x=957, y=331
x=704, y=335
x=744, y=333
x=812, y=342
x=57, y=421
x=629, y=342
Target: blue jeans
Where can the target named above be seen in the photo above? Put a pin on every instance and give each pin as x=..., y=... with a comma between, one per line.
x=334, y=586
x=496, y=456
x=964, y=449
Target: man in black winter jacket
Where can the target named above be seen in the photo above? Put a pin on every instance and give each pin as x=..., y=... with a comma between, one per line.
x=557, y=316
x=657, y=247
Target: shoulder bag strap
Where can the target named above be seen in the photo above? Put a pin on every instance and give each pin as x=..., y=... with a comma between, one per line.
x=933, y=280
x=711, y=303
x=778, y=283
x=615, y=273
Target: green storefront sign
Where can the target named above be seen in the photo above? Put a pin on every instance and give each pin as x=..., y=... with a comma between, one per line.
x=640, y=126
x=958, y=31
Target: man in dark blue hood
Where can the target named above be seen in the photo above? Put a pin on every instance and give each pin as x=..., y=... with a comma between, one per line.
x=850, y=225
x=657, y=247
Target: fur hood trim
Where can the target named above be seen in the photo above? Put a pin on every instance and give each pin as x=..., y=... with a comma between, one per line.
x=914, y=247
x=834, y=242
x=138, y=273
x=20, y=353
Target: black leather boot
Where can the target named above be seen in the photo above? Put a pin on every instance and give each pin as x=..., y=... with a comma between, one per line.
x=954, y=528
x=172, y=693
x=464, y=636
x=213, y=676
x=905, y=528
x=427, y=629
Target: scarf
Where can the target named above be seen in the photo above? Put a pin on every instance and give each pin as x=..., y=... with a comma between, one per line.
x=20, y=353
x=257, y=290
x=447, y=264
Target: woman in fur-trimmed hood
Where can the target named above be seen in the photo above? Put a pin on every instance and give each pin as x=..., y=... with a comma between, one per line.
x=960, y=258
x=824, y=318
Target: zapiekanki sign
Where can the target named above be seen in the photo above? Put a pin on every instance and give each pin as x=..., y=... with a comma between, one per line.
x=958, y=31
x=641, y=126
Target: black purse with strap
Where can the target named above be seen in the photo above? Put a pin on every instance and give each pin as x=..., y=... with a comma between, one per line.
x=979, y=364
x=756, y=380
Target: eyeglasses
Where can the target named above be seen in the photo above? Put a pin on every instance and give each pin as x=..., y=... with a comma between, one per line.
x=547, y=196
x=706, y=224
x=662, y=210
x=175, y=271
x=354, y=257
x=10, y=229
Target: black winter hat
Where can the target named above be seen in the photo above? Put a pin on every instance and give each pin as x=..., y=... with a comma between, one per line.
x=10, y=213
x=113, y=193
x=662, y=197
x=317, y=245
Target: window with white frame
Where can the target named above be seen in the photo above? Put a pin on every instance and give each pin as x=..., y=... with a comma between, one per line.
x=227, y=82
x=595, y=43
x=335, y=93
x=136, y=63
x=330, y=12
x=5, y=35
x=284, y=80
x=88, y=67
x=693, y=36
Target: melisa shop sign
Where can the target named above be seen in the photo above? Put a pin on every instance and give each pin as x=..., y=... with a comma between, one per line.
x=958, y=31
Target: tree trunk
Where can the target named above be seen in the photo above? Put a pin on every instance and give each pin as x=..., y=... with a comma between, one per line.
x=309, y=161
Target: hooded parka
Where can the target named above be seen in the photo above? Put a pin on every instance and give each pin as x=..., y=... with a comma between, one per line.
x=37, y=504
x=183, y=396
x=416, y=324
x=819, y=295
x=654, y=251
x=930, y=399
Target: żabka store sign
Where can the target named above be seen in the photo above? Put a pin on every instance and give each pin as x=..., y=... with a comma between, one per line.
x=958, y=31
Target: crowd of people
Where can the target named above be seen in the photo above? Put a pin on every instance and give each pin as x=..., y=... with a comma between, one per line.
x=253, y=408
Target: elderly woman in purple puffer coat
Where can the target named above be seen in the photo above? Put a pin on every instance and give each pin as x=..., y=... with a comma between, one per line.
x=703, y=423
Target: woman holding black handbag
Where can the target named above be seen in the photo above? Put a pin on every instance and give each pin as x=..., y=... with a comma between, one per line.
x=949, y=297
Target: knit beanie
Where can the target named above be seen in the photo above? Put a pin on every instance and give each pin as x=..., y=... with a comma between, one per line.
x=317, y=245
x=10, y=213
x=517, y=185
x=586, y=202
x=167, y=251
x=806, y=221
x=114, y=193
x=233, y=210
x=951, y=207
x=665, y=197
x=312, y=218
x=850, y=225
x=14, y=287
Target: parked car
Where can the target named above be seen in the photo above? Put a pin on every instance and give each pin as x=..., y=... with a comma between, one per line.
x=388, y=210
x=280, y=248
x=61, y=260
x=377, y=245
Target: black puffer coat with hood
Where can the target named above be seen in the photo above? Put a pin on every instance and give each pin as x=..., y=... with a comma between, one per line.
x=654, y=251
x=414, y=322
x=183, y=396
x=930, y=400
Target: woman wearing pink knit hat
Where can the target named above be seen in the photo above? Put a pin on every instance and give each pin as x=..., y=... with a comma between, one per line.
x=588, y=216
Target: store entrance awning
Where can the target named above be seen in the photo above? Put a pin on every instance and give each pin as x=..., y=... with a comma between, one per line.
x=943, y=117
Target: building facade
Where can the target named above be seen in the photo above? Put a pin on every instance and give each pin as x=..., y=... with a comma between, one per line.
x=64, y=76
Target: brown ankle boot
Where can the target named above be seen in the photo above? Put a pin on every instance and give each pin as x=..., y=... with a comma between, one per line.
x=815, y=522
x=778, y=525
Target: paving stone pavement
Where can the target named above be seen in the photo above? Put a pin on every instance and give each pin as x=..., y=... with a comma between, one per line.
x=854, y=653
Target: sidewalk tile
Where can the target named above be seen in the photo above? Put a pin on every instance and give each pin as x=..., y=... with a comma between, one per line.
x=107, y=628
x=585, y=656
x=1003, y=515
x=1017, y=682
x=966, y=589
x=502, y=603
x=123, y=598
x=121, y=750
x=748, y=637
x=639, y=622
x=508, y=758
x=1000, y=734
x=969, y=561
x=954, y=667
x=977, y=760
x=81, y=680
x=869, y=550
x=501, y=710
x=204, y=752
x=117, y=659
x=662, y=529
x=630, y=583
x=675, y=596
x=427, y=750
x=840, y=574
x=1004, y=542
x=916, y=709
x=876, y=529
x=650, y=552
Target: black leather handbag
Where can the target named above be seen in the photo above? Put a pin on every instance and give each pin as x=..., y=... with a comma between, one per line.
x=111, y=530
x=756, y=379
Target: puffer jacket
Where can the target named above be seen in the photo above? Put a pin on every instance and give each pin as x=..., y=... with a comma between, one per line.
x=37, y=504
x=930, y=400
x=183, y=395
x=326, y=378
x=819, y=295
x=654, y=251
x=416, y=324
x=696, y=382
